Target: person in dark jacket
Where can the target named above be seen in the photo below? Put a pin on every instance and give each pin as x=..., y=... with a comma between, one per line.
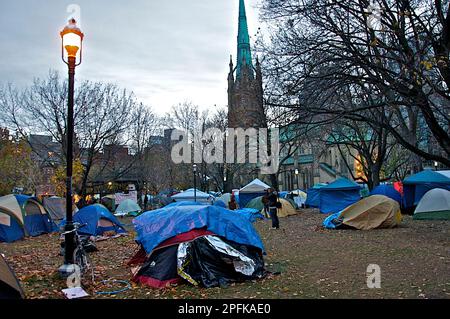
x=272, y=203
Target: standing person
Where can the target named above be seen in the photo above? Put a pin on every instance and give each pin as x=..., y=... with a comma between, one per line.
x=232, y=205
x=273, y=200
x=265, y=201
x=145, y=201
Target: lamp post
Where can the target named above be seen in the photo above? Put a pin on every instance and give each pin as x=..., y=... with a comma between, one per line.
x=194, y=170
x=71, y=49
x=435, y=165
x=296, y=175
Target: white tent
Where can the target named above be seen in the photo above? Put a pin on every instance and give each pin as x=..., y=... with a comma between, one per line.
x=435, y=204
x=256, y=186
x=445, y=173
x=188, y=195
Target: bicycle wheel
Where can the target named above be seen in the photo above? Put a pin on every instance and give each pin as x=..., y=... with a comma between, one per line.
x=81, y=259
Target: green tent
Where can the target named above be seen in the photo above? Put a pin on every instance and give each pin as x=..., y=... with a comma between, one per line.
x=435, y=204
x=128, y=207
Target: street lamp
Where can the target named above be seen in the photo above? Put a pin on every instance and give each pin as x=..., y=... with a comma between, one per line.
x=296, y=175
x=194, y=170
x=435, y=165
x=71, y=53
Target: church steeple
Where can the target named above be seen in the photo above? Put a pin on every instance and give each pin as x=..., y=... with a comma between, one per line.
x=244, y=55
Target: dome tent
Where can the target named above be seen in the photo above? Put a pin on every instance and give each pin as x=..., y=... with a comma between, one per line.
x=9, y=285
x=376, y=211
x=287, y=207
x=22, y=215
x=98, y=219
x=253, y=189
x=196, y=243
x=434, y=205
x=128, y=207
x=415, y=186
x=190, y=195
x=338, y=195
x=389, y=191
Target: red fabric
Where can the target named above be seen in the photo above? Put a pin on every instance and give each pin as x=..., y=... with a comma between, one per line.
x=155, y=283
x=398, y=186
x=184, y=237
x=138, y=258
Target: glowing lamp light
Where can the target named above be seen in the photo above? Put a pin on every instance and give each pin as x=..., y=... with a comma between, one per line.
x=72, y=41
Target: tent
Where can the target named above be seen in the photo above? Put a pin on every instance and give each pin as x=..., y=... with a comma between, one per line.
x=128, y=207
x=99, y=221
x=56, y=207
x=251, y=190
x=299, y=197
x=202, y=244
x=313, y=195
x=225, y=198
x=435, y=204
x=338, y=195
x=9, y=285
x=415, y=186
x=184, y=203
x=190, y=195
x=387, y=190
x=22, y=215
x=287, y=207
x=376, y=211
x=220, y=203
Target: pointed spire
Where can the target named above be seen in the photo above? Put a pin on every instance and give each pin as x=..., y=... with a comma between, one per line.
x=244, y=55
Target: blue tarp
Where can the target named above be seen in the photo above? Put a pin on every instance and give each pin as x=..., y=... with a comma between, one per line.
x=313, y=196
x=338, y=195
x=328, y=222
x=154, y=227
x=415, y=186
x=91, y=215
x=283, y=194
x=387, y=190
x=220, y=203
x=251, y=214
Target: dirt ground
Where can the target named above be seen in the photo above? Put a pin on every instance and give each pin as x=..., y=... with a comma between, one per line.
x=313, y=263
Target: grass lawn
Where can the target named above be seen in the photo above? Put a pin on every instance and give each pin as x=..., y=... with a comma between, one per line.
x=313, y=263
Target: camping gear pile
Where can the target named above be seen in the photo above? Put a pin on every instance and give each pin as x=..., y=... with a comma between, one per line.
x=9, y=285
x=21, y=216
x=376, y=211
x=204, y=245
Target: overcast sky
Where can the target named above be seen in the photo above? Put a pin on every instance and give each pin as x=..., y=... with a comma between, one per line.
x=166, y=52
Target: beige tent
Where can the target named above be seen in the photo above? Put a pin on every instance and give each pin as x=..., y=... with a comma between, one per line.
x=285, y=210
x=9, y=285
x=376, y=211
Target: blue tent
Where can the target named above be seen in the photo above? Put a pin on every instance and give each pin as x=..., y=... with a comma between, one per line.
x=92, y=216
x=283, y=194
x=22, y=215
x=338, y=195
x=415, y=186
x=387, y=190
x=154, y=227
x=313, y=195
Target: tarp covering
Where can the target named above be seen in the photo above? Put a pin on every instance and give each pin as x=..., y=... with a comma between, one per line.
x=434, y=205
x=389, y=191
x=376, y=211
x=338, y=195
x=94, y=216
x=154, y=227
x=313, y=196
x=9, y=285
x=415, y=186
x=184, y=203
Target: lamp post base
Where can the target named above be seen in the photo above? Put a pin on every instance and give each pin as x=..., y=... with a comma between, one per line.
x=67, y=270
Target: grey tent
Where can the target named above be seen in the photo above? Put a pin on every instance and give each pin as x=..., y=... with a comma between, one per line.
x=9, y=285
x=56, y=207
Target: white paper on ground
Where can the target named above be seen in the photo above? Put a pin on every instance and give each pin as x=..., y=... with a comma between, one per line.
x=76, y=292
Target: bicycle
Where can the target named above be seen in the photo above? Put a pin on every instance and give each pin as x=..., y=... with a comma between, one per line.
x=80, y=256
